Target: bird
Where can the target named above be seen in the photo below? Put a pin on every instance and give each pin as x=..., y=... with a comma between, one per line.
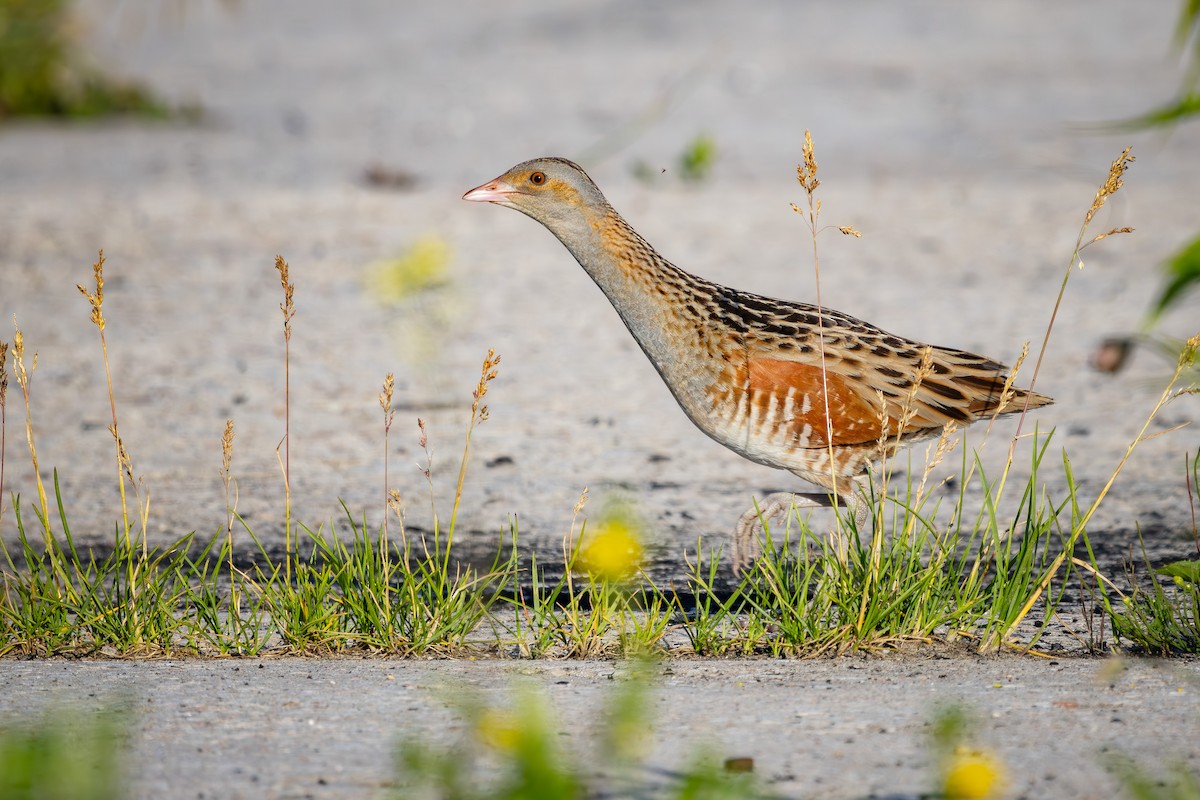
x=789, y=385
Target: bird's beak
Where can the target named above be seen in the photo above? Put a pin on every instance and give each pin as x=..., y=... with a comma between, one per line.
x=496, y=191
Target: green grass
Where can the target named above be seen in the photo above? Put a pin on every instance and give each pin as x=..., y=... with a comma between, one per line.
x=965, y=577
x=1140, y=784
x=1160, y=613
x=44, y=74
x=600, y=605
x=62, y=755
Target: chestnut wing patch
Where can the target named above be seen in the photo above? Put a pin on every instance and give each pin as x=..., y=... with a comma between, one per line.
x=791, y=395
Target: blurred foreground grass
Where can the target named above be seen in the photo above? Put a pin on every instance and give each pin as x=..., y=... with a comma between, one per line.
x=63, y=755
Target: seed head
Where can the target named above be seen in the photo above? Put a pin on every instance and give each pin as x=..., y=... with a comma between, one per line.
x=19, y=369
x=395, y=502
x=227, y=446
x=1187, y=356
x=806, y=171
x=3, y=372
x=385, y=401
x=1106, y=234
x=1112, y=183
x=123, y=458
x=287, y=306
x=487, y=374
x=580, y=503
x=96, y=298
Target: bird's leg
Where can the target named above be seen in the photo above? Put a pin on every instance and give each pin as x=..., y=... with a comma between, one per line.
x=768, y=514
x=774, y=508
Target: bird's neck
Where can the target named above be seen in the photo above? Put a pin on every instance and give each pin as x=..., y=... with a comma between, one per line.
x=659, y=303
x=652, y=296
x=627, y=269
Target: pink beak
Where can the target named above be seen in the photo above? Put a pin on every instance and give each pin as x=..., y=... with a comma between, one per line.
x=496, y=191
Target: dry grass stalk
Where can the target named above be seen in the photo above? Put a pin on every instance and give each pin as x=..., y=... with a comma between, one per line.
x=124, y=463
x=806, y=175
x=935, y=454
x=23, y=375
x=385, y=402
x=578, y=507
x=288, y=308
x=570, y=541
x=806, y=170
x=1106, y=234
x=230, y=485
x=231, y=499
x=396, y=503
x=227, y=453
x=427, y=470
x=1007, y=393
x=3, y=421
x=1114, y=181
x=487, y=374
x=909, y=409
x=96, y=299
x=1186, y=359
x=479, y=414
x=1112, y=184
x=885, y=420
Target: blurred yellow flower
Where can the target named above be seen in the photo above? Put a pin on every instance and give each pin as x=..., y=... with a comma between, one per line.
x=421, y=267
x=496, y=729
x=973, y=775
x=613, y=552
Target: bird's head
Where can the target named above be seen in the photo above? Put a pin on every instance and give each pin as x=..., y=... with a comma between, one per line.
x=554, y=191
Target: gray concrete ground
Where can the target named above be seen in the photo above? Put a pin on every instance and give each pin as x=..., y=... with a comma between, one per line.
x=853, y=727
x=957, y=137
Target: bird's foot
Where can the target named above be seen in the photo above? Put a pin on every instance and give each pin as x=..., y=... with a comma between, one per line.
x=754, y=525
x=758, y=520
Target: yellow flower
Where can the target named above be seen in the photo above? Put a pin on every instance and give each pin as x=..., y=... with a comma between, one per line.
x=973, y=775
x=422, y=267
x=613, y=552
x=497, y=730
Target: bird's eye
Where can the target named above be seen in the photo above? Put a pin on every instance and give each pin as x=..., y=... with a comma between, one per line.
x=537, y=178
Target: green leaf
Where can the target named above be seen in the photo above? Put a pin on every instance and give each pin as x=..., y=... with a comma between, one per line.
x=697, y=159
x=1188, y=24
x=1187, y=105
x=1188, y=571
x=1182, y=273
